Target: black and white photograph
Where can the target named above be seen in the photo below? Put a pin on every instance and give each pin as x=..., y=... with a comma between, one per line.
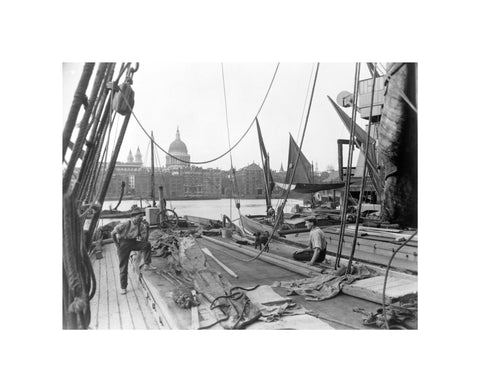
x=240, y=196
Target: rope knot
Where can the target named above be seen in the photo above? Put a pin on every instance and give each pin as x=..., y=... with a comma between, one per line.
x=79, y=305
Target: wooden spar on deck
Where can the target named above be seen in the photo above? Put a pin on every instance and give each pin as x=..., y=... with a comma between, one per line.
x=229, y=271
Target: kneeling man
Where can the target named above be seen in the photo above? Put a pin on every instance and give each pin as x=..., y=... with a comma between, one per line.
x=317, y=244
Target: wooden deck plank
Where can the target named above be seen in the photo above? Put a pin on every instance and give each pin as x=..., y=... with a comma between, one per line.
x=171, y=315
x=113, y=294
x=195, y=317
x=103, y=322
x=133, y=298
x=109, y=309
x=124, y=309
x=147, y=312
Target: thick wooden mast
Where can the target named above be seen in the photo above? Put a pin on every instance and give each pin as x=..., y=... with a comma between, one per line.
x=153, y=172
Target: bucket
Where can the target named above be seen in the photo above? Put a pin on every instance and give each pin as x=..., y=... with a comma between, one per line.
x=226, y=233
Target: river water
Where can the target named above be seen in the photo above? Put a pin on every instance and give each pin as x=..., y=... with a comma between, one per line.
x=212, y=209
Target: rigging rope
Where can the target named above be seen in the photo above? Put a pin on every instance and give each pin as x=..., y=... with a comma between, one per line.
x=78, y=100
x=362, y=188
x=386, y=277
x=79, y=283
x=349, y=166
x=225, y=153
x=99, y=173
x=82, y=133
x=228, y=131
x=305, y=102
x=97, y=132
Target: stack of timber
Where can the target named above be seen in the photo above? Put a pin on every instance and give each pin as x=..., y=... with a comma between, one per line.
x=371, y=289
x=374, y=246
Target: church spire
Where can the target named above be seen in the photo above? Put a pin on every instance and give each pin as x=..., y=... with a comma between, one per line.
x=138, y=156
x=130, y=157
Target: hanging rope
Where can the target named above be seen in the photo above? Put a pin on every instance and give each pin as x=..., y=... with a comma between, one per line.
x=226, y=152
x=362, y=188
x=97, y=132
x=79, y=281
x=349, y=167
x=228, y=132
x=109, y=172
x=305, y=102
x=82, y=133
x=386, y=277
x=99, y=168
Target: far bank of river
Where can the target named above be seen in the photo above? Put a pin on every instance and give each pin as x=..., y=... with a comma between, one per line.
x=212, y=209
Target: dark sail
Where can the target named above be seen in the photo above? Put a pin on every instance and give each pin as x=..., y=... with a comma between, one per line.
x=302, y=181
x=268, y=178
x=303, y=172
x=361, y=141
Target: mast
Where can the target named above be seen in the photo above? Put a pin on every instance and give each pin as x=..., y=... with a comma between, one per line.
x=153, y=171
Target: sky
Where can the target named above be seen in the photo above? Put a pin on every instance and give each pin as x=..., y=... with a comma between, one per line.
x=190, y=96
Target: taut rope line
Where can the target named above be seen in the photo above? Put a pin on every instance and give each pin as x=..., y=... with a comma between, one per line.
x=225, y=153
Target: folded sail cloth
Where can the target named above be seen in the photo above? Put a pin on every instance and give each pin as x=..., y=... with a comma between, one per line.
x=324, y=286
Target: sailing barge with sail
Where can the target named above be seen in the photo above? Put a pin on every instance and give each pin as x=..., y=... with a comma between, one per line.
x=203, y=282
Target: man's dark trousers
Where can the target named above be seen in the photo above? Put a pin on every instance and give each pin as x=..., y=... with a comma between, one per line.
x=307, y=254
x=124, y=249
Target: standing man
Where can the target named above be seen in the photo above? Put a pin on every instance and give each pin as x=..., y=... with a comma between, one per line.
x=129, y=236
x=317, y=244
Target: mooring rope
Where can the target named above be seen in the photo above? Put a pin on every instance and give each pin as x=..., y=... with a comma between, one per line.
x=386, y=277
